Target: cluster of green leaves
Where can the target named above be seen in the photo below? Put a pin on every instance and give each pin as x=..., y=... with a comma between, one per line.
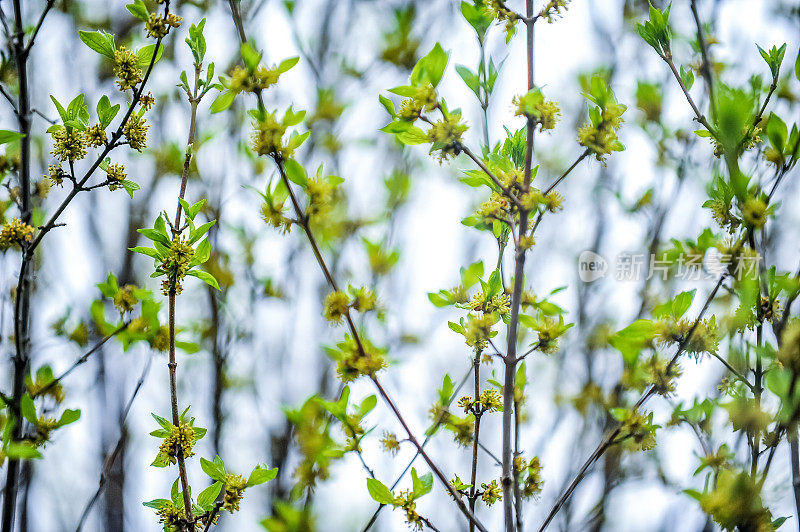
x=162, y=251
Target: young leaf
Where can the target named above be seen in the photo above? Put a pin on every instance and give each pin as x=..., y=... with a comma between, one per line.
x=260, y=475
x=99, y=41
x=205, y=277
x=379, y=493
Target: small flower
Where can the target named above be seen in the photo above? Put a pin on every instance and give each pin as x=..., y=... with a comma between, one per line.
x=69, y=144
x=446, y=136
x=116, y=174
x=181, y=439
x=267, y=137
x=135, y=131
x=126, y=68
x=353, y=363
x=172, y=516
x=364, y=299
x=272, y=214
x=156, y=27
x=543, y=112
x=14, y=233
x=147, y=101
x=336, y=306
x=177, y=264
x=56, y=175
x=492, y=492
x=234, y=492
x=553, y=9
x=125, y=299
x=160, y=340
x=95, y=136
x=754, y=212
x=390, y=443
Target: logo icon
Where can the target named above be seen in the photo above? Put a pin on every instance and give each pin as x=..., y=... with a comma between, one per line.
x=591, y=266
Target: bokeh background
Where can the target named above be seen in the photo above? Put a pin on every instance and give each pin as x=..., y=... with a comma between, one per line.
x=261, y=338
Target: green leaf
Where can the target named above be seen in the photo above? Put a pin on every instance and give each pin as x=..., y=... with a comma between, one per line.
x=150, y=252
x=130, y=186
x=69, y=416
x=421, y=485
x=28, y=409
x=287, y=64
x=208, y=496
x=222, y=102
x=681, y=303
x=166, y=425
x=430, y=68
x=155, y=236
x=99, y=41
x=388, y=105
x=7, y=136
x=470, y=78
x=260, y=475
x=198, y=233
x=145, y=54
x=379, y=493
x=687, y=76
x=777, y=132
x=797, y=66
x=214, y=469
x=204, y=276
x=139, y=10
x=21, y=451
x=106, y=112
x=295, y=172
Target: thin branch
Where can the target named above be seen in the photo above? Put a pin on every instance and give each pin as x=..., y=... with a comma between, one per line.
x=698, y=115
x=510, y=195
x=45, y=11
x=705, y=65
x=82, y=360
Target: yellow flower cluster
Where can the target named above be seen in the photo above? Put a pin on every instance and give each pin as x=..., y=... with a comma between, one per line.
x=601, y=139
x=267, y=138
x=425, y=99
x=488, y=401
x=530, y=472
x=177, y=263
x=492, y=492
x=158, y=27
x=55, y=175
x=135, y=132
x=478, y=330
x=172, y=516
x=336, y=306
x=273, y=215
x=95, y=136
x=242, y=80
x=446, y=136
x=124, y=299
x=69, y=144
x=553, y=9
x=353, y=364
x=14, y=233
x=116, y=174
x=126, y=68
x=234, y=492
x=543, y=112
x=390, y=443
x=181, y=439
x=405, y=501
